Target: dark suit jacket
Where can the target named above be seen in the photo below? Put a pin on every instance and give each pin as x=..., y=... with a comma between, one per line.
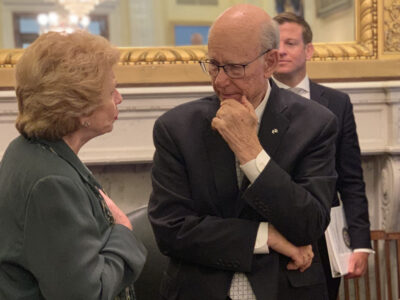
x=208, y=226
x=350, y=184
x=56, y=242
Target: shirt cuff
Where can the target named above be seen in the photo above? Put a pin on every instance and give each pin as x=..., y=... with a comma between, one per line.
x=253, y=168
x=261, y=246
x=366, y=250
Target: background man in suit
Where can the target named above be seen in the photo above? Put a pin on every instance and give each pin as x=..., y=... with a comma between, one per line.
x=295, y=49
x=222, y=237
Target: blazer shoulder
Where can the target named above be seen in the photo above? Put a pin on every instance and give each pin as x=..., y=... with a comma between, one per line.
x=18, y=161
x=298, y=105
x=329, y=93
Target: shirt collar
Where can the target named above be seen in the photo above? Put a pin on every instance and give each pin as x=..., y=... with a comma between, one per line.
x=304, y=84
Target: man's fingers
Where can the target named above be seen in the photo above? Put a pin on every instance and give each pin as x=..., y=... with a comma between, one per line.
x=246, y=102
x=248, y=105
x=351, y=267
x=217, y=123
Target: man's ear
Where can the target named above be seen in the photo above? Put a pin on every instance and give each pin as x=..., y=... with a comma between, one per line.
x=271, y=60
x=309, y=51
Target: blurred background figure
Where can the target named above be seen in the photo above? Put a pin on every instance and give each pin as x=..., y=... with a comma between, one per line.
x=295, y=6
x=196, y=39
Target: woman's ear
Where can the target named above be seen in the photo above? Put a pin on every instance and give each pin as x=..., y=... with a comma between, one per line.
x=271, y=60
x=84, y=121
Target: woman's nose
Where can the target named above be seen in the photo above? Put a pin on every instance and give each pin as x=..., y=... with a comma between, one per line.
x=117, y=97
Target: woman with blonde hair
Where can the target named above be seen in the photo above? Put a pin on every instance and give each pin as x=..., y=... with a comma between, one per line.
x=61, y=236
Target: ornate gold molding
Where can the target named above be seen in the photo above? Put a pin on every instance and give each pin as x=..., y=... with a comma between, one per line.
x=391, y=26
x=9, y=57
x=162, y=55
x=365, y=46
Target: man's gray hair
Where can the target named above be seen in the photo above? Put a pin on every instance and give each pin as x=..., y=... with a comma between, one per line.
x=270, y=35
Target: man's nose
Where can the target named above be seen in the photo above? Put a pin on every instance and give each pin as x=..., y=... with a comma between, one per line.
x=282, y=50
x=222, y=79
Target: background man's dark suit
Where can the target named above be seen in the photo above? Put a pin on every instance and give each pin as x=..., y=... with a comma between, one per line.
x=208, y=226
x=350, y=184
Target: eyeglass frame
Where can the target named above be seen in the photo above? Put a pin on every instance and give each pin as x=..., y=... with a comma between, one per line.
x=208, y=61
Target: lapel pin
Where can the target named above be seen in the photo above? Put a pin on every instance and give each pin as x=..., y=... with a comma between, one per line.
x=274, y=131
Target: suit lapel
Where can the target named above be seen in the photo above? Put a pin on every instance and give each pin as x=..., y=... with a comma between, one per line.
x=222, y=163
x=273, y=127
x=317, y=94
x=273, y=124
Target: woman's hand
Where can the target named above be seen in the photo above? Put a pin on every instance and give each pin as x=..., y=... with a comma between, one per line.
x=118, y=214
x=301, y=258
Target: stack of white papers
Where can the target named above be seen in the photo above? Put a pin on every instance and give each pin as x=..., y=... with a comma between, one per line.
x=338, y=242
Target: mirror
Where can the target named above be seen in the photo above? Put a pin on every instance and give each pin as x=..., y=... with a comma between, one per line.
x=149, y=23
x=158, y=64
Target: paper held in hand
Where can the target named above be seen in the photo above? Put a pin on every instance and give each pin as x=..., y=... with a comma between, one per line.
x=338, y=242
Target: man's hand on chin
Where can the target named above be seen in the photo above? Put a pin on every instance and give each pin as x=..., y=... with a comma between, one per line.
x=236, y=122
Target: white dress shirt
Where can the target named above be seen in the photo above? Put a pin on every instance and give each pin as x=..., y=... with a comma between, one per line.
x=252, y=169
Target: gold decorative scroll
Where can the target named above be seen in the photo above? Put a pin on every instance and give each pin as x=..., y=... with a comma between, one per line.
x=391, y=26
x=9, y=57
x=162, y=55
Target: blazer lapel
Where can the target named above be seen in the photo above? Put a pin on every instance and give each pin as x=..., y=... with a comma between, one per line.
x=316, y=94
x=273, y=124
x=222, y=163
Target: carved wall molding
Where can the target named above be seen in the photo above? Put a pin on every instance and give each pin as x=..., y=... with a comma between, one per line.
x=376, y=108
x=389, y=193
x=391, y=27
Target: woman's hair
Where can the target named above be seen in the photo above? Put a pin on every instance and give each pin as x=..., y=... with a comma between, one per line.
x=59, y=79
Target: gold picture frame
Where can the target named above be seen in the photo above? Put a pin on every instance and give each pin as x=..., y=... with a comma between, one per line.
x=374, y=55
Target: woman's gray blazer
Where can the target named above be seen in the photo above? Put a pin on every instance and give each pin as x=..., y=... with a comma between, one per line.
x=55, y=240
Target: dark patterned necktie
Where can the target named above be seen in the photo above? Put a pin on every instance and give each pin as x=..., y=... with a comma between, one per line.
x=240, y=286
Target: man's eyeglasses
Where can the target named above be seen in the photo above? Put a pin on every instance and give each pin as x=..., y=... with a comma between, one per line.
x=234, y=71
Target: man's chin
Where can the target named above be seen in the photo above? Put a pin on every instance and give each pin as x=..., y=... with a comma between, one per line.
x=282, y=70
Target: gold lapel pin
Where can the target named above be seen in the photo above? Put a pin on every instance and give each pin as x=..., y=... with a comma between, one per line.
x=274, y=131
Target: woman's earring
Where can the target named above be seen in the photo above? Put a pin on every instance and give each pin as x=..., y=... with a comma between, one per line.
x=86, y=124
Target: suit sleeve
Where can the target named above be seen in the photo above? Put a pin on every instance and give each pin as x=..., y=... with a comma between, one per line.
x=182, y=231
x=66, y=251
x=350, y=183
x=297, y=202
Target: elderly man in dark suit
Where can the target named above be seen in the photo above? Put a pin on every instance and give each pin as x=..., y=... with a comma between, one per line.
x=295, y=49
x=219, y=230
